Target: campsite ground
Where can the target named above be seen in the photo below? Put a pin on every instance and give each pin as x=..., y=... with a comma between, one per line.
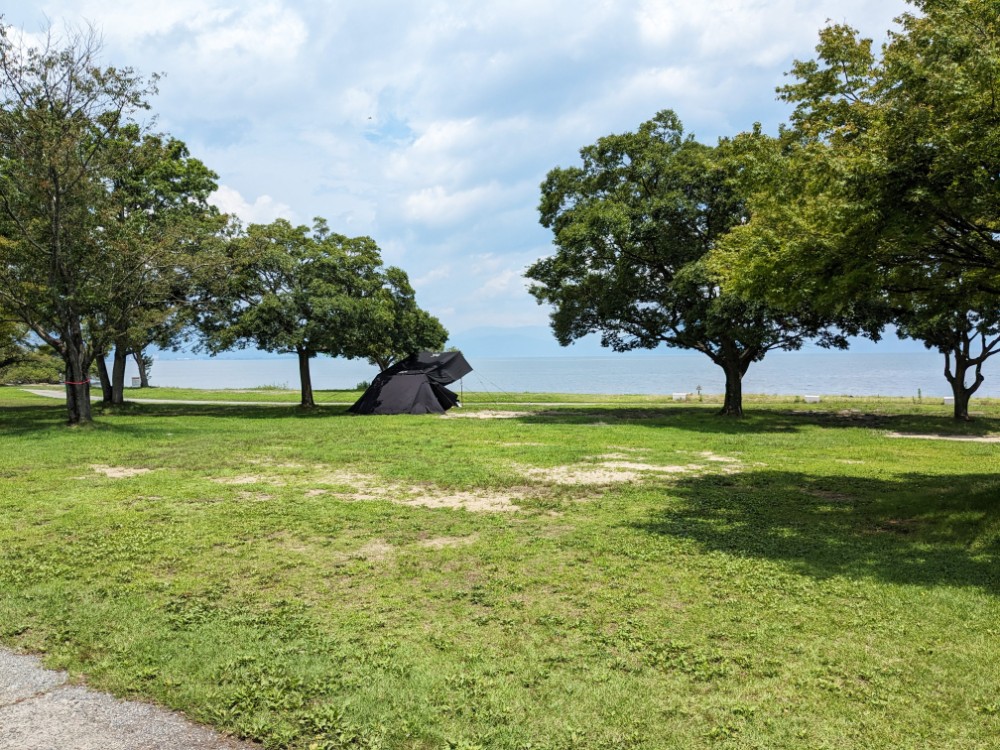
x=633, y=574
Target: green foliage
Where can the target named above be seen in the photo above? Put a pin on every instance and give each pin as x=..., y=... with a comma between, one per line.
x=402, y=327
x=879, y=204
x=34, y=368
x=633, y=227
x=157, y=236
x=63, y=255
x=293, y=289
x=311, y=291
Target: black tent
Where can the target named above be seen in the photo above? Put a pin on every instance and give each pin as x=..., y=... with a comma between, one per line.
x=415, y=386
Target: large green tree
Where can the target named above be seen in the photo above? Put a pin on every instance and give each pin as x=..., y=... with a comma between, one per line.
x=885, y=189
x=60, y=112
x=292, y=289
x=961, y=324
x=159, y=222
x=403, y=327
x=633, y=226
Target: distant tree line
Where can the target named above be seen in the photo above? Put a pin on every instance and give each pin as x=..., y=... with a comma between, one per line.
x=878, y=204
x=108, y=244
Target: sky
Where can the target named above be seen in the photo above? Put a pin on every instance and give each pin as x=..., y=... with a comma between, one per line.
x=429, y=126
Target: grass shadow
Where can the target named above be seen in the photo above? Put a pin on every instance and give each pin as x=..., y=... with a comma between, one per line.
x=915, y=529
x=21, y=419
x=706, y=420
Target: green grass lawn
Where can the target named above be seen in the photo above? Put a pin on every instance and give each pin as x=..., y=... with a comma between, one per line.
x=639, y=574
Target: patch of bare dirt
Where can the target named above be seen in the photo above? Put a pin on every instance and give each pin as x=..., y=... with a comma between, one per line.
x=367, y=488
x=478, y=502
x=955, y=438
x=609, y=472
x=485, y=414
x=316, y=493
x=443, y=542
x=248, y=479
x=641, y=466
x=615, y=468
x=118, y=472
x=376, y=549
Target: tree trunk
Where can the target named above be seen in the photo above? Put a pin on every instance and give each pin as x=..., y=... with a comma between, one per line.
x=105, y=377
x=140, y=362
x=305, y=379
x=733, y=404
x=734, y=361
x=118, y=375
x=77, y=381
x=959, y=390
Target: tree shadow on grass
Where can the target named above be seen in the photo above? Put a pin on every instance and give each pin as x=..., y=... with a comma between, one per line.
x=699, y=419
x=28, y=418
x=916, y=529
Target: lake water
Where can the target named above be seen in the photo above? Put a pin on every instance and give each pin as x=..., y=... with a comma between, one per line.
x=829, y=373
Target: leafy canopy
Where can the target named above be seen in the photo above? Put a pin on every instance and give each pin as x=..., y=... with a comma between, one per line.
x=633, y=227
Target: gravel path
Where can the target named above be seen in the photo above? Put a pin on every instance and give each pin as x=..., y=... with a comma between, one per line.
x=40, y=710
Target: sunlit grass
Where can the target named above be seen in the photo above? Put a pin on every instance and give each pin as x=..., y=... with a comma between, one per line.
x=805, y=581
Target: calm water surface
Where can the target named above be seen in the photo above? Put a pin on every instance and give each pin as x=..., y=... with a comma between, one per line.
x=831, y=373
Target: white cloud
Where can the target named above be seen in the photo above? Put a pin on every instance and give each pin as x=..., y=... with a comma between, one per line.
x=504, y=283
x=262, y=211
x=436, y=206
x=471, y=104
x=266, y=32
x=434, y=275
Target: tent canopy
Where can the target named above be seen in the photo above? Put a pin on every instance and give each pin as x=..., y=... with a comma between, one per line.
x=415, y=386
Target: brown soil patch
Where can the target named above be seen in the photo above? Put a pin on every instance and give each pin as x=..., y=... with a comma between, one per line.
x=639, y=466
x=478, y=502
x=609, y=472
x=443, y=542
x=316, y=493
x=485, y=414
x=367, y=488
x=955, y=438
x=118, y=472
x=614, y=468
x=376, y=549
x=248, y=479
